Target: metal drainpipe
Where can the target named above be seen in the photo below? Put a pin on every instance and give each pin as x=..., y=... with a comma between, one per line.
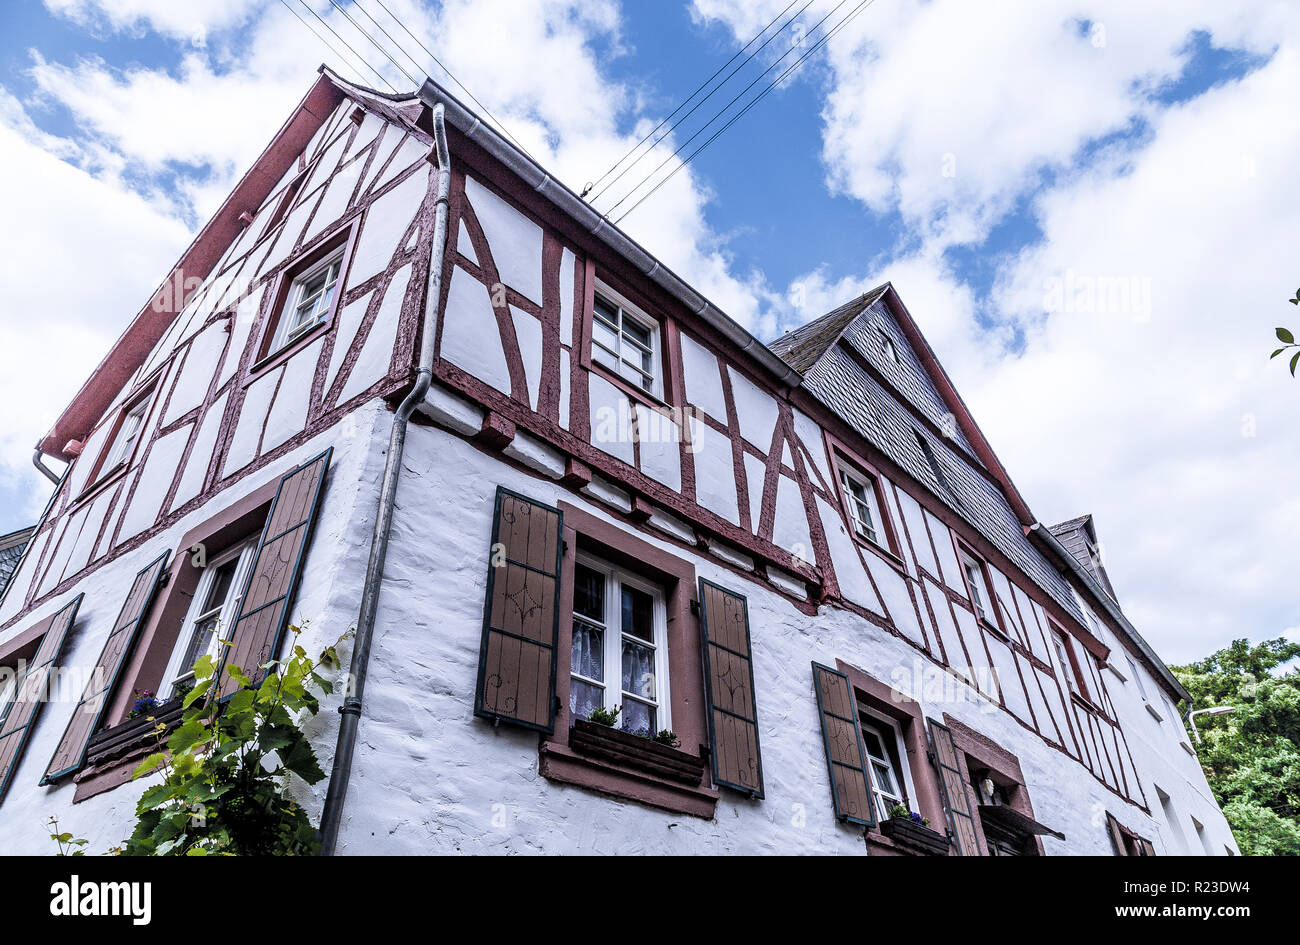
x=332, y=814
x=46, y=471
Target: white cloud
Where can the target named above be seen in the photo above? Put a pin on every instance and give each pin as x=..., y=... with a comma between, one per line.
x=1141, y=415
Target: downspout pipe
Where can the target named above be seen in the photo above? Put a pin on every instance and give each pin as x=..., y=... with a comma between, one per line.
x=332, y=815
x=46, y=471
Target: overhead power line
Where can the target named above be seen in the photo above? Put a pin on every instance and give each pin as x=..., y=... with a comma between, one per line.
x=685, y=101
x=849, y=17
x=373, y=42
x=461, y=85
x=363, y=59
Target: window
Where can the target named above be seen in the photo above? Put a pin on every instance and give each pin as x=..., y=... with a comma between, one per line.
x=933, y=462
x=863, y=506
x=1137, y=677
x=1179, y=844
x=979, y=591
x=620, y=653
x=1069, y=666
x=211, y=613
x=309, y=301
x=890, y=779
x=887, y=344
x=626, y=342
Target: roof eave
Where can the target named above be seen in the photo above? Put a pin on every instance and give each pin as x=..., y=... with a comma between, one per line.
x=204, y=251
x=1049, y=543
x=573, y=206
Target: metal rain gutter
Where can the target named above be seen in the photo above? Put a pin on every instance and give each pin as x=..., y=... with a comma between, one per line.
x=569, y=203
x=332, y=815
x=1045, y=536
x=46, y=471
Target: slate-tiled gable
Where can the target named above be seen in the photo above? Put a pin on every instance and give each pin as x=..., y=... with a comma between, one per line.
x=891, y=423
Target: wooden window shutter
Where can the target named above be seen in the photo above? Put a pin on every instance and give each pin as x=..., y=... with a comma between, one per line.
x=1127, y=843
x=846, y=756
x=952, y=788
x=521, y=614
x=71, y=753
x=258, y=627
x=1116, y=835
x=30, y=694
x=729, y=690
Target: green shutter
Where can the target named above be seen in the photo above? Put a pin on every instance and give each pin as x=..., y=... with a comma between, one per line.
x=846, y=756
x=30, y=694
x=71, y=753
x=729, y=690
x=952, y=788
x=521, y=614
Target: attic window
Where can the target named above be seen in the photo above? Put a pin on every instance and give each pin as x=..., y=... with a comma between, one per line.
x=286, y=201
x=887, y=343
x=933, y=461
x=625, y=342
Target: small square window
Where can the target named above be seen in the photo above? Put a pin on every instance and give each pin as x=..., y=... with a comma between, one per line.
x=626, y=342
x=128, y=434
x=309, y=301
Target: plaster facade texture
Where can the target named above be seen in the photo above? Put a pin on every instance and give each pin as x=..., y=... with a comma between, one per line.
x=730, y=473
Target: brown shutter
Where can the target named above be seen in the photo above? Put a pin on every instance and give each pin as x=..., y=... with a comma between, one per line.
x=259, y=623
x=729, y=690
x=1147, y=848
x=521, y=615
x=952, y=788
x=30, y=694
x=71, y=753
x=1116, y=835
x=846, y=757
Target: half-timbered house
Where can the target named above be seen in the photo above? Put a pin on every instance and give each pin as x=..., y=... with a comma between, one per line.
x=797, y=572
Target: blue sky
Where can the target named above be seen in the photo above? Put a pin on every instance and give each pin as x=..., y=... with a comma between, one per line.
x=980, y=157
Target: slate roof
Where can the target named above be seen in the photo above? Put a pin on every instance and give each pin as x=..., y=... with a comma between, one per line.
x=1079, y=536
x=802, y=347
x=888, y=421
x=11, y=552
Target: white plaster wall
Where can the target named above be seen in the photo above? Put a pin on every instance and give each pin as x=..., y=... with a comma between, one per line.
x=430, y=778
x=326, y=604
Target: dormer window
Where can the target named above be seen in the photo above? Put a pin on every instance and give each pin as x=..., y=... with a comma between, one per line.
x=887, y=344
x=625, y=342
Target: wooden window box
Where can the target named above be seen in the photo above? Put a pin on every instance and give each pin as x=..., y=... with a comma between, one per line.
x=626, y=750
x=113, y=743
x=915, y=837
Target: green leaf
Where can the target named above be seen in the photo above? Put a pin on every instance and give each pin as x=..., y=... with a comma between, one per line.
x=1285, y=336
x=197, y=693
x=301, y=760
x=1276, y=353
x=192, y=733
x=1293, y=363
x=154, y=796
x=152, y=763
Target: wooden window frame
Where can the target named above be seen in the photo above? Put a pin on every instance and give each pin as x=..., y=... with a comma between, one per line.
x=105, y=471
x=241, y=552
x=884, y=727
x=667, y=356
x=615, y=579
x=147, y=664
x=588, y=534
x=991, y=619
x=843, y=459
x=1076, y=681
x=272, y=349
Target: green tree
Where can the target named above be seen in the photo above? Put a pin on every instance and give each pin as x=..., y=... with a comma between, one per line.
x=1251, y=757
